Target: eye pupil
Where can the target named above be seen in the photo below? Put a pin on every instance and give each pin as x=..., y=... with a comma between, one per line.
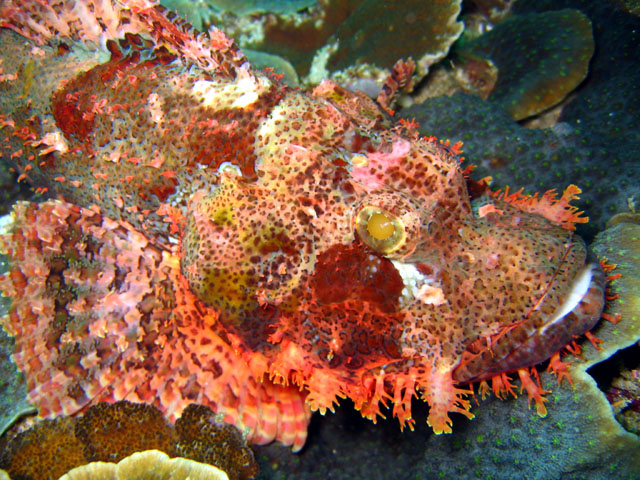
x=380, y=226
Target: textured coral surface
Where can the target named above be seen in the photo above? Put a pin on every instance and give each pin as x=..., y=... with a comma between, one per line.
x=540, y=58
x=227, y=241
x=363, y=37
x=113, y=432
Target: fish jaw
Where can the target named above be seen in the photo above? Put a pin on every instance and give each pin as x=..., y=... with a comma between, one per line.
x=538, y=335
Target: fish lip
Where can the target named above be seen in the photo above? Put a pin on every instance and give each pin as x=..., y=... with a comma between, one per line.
x=585, y=298
x=571, y=319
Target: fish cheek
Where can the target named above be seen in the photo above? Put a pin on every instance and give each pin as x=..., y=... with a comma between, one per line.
x=353, y=273
x=356, y=317
x=219, y=256
x=217, y=279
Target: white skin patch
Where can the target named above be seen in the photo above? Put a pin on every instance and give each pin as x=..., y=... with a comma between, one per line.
x=418, y=286
x=155, y=107
x=578, y=290
x=238, y=94
x=228, y=167
x=430, y=295
x=6, y=223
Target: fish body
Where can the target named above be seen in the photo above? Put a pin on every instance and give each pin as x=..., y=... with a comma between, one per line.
x=220, y=238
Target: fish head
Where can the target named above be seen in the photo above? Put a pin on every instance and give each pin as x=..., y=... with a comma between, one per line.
x=358, y=243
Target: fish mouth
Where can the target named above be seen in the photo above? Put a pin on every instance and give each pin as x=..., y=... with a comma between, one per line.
x=578, y=313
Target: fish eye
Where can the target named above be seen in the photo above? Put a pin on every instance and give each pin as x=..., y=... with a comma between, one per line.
x=380, y=226
x=388, y=222
x=380, y=229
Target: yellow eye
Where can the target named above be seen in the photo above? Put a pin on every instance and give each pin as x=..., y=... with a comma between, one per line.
x=380, y=226
x=379, y=229
x=388, y=223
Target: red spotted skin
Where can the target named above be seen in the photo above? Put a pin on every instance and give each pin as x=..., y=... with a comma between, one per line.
x=260, y=196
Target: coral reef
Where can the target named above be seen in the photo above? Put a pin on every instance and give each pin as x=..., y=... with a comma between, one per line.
x=631, y=6
x=202, y=13
x=624, y=396
x=620, y=245
x=113, y=432
x=537, y=159
x=245, y=7
x=45, y=452
x=296, y=38
x=579, y=439
x=194, y=431
x=586, y=132
x=428, y=28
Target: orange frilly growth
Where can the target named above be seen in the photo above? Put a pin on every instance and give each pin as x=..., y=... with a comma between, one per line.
x=558, y=210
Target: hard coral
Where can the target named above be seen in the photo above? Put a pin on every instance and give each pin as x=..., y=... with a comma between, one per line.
x=610, y=134
x=113, y=432
x=620, y=246
x=541, y=58
x=45, y=452
x=536, y=159
x=146, y=465
x=357, y=38
x=110, y=432
x=370, y=33
x=199, y=436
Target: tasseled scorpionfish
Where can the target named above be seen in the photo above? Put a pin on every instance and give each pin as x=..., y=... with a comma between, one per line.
x=215, y=237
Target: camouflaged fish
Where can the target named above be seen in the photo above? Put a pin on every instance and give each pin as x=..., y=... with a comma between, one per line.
x=219, y=238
